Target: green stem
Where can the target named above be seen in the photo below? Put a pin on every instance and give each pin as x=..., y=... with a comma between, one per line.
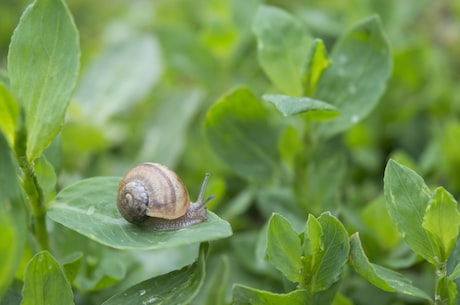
x=35, y=198
x=31, y=186
x=441, y=295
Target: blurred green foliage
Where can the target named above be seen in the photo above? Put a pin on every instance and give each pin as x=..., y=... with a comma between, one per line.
x=151, y=70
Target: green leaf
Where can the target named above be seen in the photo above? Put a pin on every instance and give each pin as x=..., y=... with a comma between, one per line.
x=455, y=274
x=282, y=43
x=357, y=78
x=379, y=276
x=13, y=224
x=10, y=112
x=240, y=132
x=313, y=249
x=218, y=282
x=331, y=260
x=441, y=221
x=289, y=105
x=176, y=287
x=71, y=265
x=317, y=62
x=43, y=63
x=46, y=178
x=407, y=198
x=283, y=248
x=45, y=282
x=243, y=295
x=130, y=69
x=89, y=208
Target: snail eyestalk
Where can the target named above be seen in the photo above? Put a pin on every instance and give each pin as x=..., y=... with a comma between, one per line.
x=200, y=201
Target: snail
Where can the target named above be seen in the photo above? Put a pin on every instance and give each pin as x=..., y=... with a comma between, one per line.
x=151, y=194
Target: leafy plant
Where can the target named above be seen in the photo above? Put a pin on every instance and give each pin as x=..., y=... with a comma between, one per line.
x=297, y=150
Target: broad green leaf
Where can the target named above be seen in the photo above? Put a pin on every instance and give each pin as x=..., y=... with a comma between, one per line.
x=407, y=198
x=240, y=131
x=130, y=68
x=289, y=105
x=379, y=276
x=283, y=248
x=10, y=112
x=334, y=253
x=441, y=221
x=167, y=147
x=354, y=83
x=176, y=287
x=43, y=62
x=13, y=223
x=317, y=62
x=313, y=250
x=282, y=44
x=243, y=295
x=89, y=208
x=100, y=267
x=45, y=282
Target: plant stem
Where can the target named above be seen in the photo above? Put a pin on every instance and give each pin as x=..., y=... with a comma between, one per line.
x=35, y=198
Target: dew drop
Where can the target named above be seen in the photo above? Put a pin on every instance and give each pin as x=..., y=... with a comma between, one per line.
x=355, y=118
x=90, y=211
x=142, y=292
x=152, y=300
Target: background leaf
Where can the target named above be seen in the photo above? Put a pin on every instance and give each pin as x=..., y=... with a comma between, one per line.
x=241, y=134
x=442, y=220
x=335, y=250
x=317, y=61
x=45, y=282
x=44, y=54
x=243, y=295
x=89, y=207
x=407, y=198
x=130, y=68
x=354, y=83
x=289, y=105
x=10, y=114
x=283, y=248
x=13, y=223
x=379, y=276
x=282, y=47
x=176, y=287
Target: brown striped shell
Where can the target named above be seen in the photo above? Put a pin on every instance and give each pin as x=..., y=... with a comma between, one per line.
x=152, y=190
x=153, y=195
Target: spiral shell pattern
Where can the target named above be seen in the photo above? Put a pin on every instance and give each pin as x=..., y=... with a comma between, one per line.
x=152, y=189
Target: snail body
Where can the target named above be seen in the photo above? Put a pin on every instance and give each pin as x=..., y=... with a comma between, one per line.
x=153, y=195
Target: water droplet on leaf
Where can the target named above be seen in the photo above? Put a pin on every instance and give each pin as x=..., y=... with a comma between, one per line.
x=90, y=211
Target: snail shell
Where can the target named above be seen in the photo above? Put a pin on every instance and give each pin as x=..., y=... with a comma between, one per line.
x=152, y=194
